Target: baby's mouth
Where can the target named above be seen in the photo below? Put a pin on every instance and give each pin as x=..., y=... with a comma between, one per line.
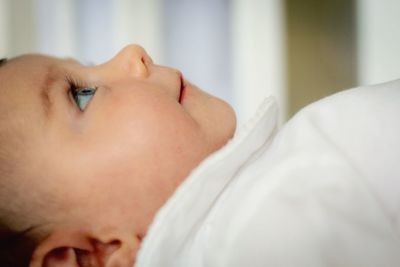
x=182, y=89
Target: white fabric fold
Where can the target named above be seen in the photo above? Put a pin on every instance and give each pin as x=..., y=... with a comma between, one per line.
x=323, y=191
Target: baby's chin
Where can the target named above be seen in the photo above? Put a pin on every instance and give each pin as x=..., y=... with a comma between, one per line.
x=225, y=122
x=230, y=120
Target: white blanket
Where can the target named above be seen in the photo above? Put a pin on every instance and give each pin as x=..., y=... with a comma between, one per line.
x=323, y=191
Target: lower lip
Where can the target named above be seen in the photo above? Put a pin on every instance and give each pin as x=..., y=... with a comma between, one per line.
x=183, y=94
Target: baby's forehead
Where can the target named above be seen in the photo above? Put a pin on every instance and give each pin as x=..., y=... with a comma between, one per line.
x=22, y=68
x=17, y=73
x=21, y=80
x=30, y=69
x=36, y=61
x=28, y=59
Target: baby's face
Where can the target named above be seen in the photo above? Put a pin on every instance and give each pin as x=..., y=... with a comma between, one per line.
x=120, y=158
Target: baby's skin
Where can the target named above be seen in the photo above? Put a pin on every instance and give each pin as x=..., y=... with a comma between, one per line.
x=102, y=148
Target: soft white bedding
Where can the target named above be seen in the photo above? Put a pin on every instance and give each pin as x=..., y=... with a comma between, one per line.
x=323, y=191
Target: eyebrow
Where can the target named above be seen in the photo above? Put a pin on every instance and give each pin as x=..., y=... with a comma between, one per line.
x=45, y=87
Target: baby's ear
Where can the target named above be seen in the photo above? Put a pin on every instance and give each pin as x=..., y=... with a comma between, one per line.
x=75, y=249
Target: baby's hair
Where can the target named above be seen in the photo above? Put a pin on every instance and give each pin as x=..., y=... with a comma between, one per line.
x=2, y=61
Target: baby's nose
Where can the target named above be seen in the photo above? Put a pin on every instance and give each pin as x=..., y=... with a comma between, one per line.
x=131, y=61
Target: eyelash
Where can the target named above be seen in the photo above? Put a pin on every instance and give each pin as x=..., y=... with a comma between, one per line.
x=74, y=84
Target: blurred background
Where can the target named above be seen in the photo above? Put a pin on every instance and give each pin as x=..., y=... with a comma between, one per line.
x=239, y=50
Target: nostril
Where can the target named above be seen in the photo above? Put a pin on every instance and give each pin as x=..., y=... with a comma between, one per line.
x=146, y=59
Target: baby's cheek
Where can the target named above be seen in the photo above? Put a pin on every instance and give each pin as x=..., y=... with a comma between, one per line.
x=155, y=133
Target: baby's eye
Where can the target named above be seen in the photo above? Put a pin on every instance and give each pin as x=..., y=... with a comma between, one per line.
x=83, y=95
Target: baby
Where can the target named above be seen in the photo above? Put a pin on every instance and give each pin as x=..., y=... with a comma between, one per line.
x=97, y=162
x=89, y=154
